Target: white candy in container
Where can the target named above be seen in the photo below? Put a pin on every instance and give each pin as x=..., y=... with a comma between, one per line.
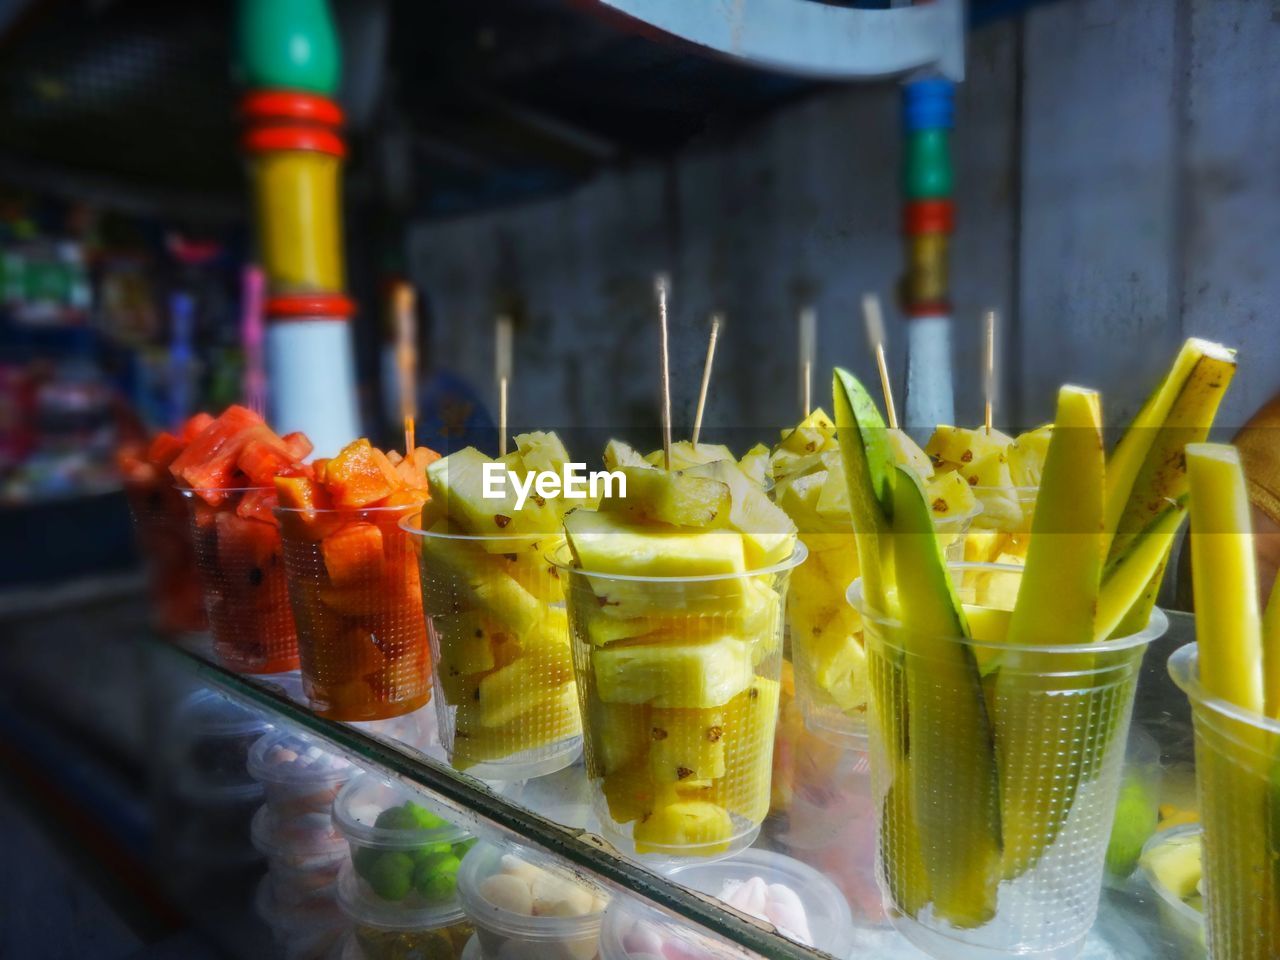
x=299, y=774
x=527, y=907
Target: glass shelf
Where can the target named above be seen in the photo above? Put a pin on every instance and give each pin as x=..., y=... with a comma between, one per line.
x=554, y=813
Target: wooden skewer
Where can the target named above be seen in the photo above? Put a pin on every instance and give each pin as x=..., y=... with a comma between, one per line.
x=502, y=371
x=706, y=378
x=402, y=306
x=808, y=338
x=662, y=285
x=989, y=370
x=875, y=332
x=410, y=440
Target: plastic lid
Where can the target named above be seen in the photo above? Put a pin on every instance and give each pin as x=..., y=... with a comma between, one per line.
x=298, y=836
x=928, y=216
x=928, y=104
x=209, y=714
x=291, y=105
x=269, y=760
x=633, y=929
x=826, y=908
x=293, y=137
x=310, y=306
x=408, y=914
x=357, y=807
x=485, y=860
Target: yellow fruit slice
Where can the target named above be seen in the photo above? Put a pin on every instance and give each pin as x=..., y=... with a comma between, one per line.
x=676, y=498
x=607, y=543
x=684, y=823
x=676, y=673
x=1271, y=651
x=686, y=745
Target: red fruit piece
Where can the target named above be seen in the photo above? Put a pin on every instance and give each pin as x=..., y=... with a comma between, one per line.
x=164, y=449
x=355, y=477
x=297, y=444
x=209, y=461
x=195, y=426
x=246, y=545
x=263, y=457
x=258, y=505
x=353, y=554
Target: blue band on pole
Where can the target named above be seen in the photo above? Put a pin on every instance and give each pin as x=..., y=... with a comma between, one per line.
x=928, y=104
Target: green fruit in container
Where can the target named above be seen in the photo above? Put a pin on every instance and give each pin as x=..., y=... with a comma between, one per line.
x=436, y=878
x=391, y=875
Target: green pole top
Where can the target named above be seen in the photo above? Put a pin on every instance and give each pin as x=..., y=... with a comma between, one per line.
x=288, y=45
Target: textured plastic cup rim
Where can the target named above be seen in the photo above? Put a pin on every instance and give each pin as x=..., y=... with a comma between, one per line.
x=562, y=560
x=1156, y=625
x=329, y=511
x=413, y=525
x=193, y=491
x=1184, y=668
x=383, y=838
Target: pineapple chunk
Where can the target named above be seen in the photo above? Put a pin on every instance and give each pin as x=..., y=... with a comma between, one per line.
x=461, y=574
x=833, y=500
x=982, y=546
x=684, y=823
x=768, y=534
x=541, y=451
x=684, y=455
x=950, y=496
x=618, y=454
x=629, y=792
x=960, y=446
x=839, y=663
x=664, y=497
x=693, y=673
x=553, y=717
x=620, y=735
x=603, y=542
x=549, y=639
x=799, y=497
x=522, y=686
x=687, y=745
x=1026, y=456
x=755, y=463
x=750, y=722
x=458, y=687
x=813, y=434
x=458, y=480
x=466, y=641
x=601, y=629
x=908, y=453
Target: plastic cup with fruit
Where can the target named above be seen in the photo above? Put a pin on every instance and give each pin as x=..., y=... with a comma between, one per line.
x=526, y=907
x=299, y=774
x=503, y=672
x=227, y=474
x=675, y=595
x=304, y=852
x=407, y=929
x=353, y=581
x=306, y=929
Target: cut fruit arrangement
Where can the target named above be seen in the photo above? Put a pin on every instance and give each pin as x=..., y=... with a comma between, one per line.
x=504, y=682
x=970, y=701
x=353, y=580
x=227, y=471
x=675, y=602
x=1233, y=679
x=163, y=530
x=826, y=633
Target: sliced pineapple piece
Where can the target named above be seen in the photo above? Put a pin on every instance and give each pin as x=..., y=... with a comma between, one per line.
x=541, y=451
x=460, y=574
x=950, y=496
x=684, y=823
x=670, y=497
x=466, y=641
x=961, y=446
x=458, y=480
x=908, y=453
x=553, y=718
x=522, y=686
x=815, y=433
x=618, y=454
x=620, y=735
x=629, y=792
x=750, y=722
x=768, y=534
x=684, y=455
x=755, y=464
x=1026, y=455
x=692, y=673
x=686, y=745
x=605, y=543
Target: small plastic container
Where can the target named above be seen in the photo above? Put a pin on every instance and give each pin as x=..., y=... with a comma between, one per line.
x=568, y=930
x=241, y=569
x=501, y=660
x=401, y=931
x=403, y=855
x=634, y=931
x=303, y=851
x=826, y=911
x=1178, y=915
x=303, y=931
x=208, y=744
x=300, y=775
x=680, y=687
x=353, y=584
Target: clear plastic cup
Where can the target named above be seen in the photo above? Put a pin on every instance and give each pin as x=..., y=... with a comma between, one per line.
x=827, y=916
x=163, y=532
x=239, y=559
x=501, y=662
x=396, y=931
x=1183, y=918
x=1238, y=782
x=827, y=649
x=524, y=904
x=304, y=853
x=679, y=682
x=967, y=872
x=353, y=584
x=404, y=855
x=302, y=931
x=299, y=774
x=1001, y=532
x=207, y=744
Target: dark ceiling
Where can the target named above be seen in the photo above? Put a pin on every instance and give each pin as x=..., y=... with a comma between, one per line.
x=481, y=102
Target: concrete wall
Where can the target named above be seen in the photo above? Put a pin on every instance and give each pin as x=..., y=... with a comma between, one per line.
x=1118, y=189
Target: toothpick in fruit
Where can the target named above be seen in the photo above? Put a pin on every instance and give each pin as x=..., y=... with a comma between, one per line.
x=989, y=370
x=808, y=337
x=706, y=378
x=661, y=285
x=875, y=333
x=406, y=333
x=502, y=371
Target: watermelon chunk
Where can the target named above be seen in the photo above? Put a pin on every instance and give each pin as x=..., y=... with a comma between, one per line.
x=297, y=444
x=164, y=449
x=195, y=426
x=263, y=457
x=209, y=461
x=258, y=505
